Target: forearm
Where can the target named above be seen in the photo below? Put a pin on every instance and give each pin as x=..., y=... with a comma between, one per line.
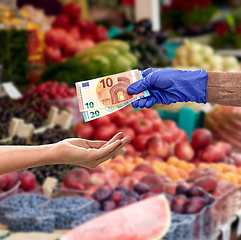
x=15, y=158
x=224, y=88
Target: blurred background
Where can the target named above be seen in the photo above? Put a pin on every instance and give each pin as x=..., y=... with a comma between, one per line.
x=189, y=152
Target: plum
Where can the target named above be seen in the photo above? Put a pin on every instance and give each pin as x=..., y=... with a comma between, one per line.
x=108, y=206
x=141, y=188
x=181, y=189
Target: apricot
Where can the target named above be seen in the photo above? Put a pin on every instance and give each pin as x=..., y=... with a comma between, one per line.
x=182, y=165
x=239, y=170
x=128, y=166
x=138, y=160
x=119, y=168
x=172, y=160
x=203, y=165
x=224, y=177
x=183, y=174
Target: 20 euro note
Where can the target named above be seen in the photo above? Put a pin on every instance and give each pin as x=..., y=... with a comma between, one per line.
x=94, y=114
x=107, y=91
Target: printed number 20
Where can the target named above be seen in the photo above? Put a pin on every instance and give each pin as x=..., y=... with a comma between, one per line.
x=95, y=114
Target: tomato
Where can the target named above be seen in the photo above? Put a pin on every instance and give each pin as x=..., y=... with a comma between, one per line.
x=166, y=134
x=130, y=150
x=84, y=130
x=149, y=112
x=127, y=110
x=171, y=125
x=124, y=120
x=100, y=33
x=180, y=136
x=156, y=121
x=100, y=122
x=138, y=114
x=128, y=132
x=140, y=142
x=142, y=126
x=113, y=116
x=156, y=134
x=105, y=133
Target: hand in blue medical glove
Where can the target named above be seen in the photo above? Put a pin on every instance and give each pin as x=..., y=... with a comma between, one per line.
x=168, y=86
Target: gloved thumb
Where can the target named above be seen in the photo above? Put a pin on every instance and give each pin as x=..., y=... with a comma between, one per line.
x=140, y=85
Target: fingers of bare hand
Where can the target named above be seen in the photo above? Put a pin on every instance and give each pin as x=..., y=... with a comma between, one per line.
x=96, y=144
x=111, y=154
x=115, y=138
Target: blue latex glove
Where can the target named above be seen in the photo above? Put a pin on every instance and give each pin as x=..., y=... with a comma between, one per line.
x=168, y=86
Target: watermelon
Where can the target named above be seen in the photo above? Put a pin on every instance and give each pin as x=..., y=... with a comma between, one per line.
x=148, y=219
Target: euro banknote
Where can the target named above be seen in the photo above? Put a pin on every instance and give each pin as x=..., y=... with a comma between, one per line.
x=107, y=91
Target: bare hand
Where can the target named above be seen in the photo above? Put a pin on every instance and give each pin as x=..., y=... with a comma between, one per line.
x=90, y=154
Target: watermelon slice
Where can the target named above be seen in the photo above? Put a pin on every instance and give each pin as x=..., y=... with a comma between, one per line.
x=149, y=219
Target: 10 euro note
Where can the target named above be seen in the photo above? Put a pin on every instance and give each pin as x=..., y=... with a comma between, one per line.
x=107, y=91
x=94, y=114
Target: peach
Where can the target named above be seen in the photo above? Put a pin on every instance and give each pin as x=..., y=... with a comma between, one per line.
x=224, y=147
x=90, y=190
x=77, y=178
x=154, y=182
x=112, y=177
x=119, y=168
x=129, y=182
x=159, y=148
x=98, y=179
x=129, y=158
x=208, y=183
x=136, y=174
x=184, y=151
x=98, y=169
x=145, y=168
x=199, y=173
x=153, y=158
x=118, y=159
x=129, y=166
x=171, y=188
x=211, y=154
x=183, y=174
x=172, y=160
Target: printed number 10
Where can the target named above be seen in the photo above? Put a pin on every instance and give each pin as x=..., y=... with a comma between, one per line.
x=108, y=82
x=90, y=105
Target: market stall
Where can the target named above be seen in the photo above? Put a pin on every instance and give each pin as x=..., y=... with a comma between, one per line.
x=65, y=75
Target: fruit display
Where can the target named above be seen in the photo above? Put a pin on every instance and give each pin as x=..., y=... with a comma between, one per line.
x=40, y=98
x=68, y=210
x=31, y=220
x=70, y=34
x=193, y=54
x=224, y=123
x=181, y=227
x=20, y=202
x=10, y=109
x=154, y=211
x=148, y=53
x=105, y=58
x=37, y=17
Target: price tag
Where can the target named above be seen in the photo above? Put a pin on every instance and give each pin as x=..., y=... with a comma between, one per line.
x=226, y=232
x=239, y=223
x=11, y=90
x=49, y=185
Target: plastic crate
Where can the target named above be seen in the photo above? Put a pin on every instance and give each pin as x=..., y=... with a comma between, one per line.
x=187, y=119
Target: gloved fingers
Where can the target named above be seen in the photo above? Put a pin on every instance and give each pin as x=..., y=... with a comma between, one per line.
x=148, y=71
x=142, y=103
x=150, y=102
x=140, y=85
x=135, y=104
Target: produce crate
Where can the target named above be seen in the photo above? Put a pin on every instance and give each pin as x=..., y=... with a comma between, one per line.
x=201, y=225
x=186, y=119
x=10, y=193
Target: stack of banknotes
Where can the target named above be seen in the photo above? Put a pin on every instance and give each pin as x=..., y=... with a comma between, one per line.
x=102, y=96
